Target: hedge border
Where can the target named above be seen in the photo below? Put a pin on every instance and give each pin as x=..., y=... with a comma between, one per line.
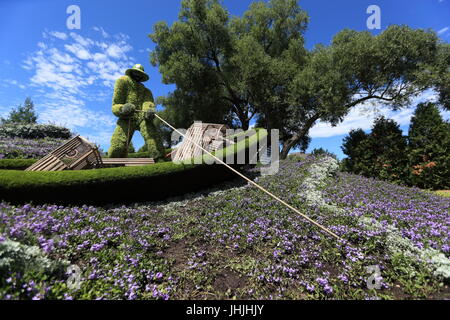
x=16, y=164
x=34, y=131
x=117, y=185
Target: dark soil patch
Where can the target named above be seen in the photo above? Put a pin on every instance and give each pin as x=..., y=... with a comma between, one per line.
x=228, y=280
x=443, y=294
x=178, y=252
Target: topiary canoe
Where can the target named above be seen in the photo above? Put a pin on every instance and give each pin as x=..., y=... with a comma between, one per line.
x=118, y=185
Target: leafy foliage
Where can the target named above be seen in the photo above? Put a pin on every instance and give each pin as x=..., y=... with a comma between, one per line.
x=19, y=258
x=23, y=114
x=381, y=154
x=228, y=69
x=323, y=152
x=233, y=70
x=421, y=159
x=16, y=164
x=357, y=67
x=33, y=131
x=351, y=148
x=429, y=146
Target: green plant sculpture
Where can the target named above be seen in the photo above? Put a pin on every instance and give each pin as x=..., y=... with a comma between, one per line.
x=133, y=104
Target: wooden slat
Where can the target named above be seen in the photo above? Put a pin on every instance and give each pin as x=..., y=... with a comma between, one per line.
x=50, y=158
x=81, y=159
x=44, y=163
x=128, y=161
x=38, y=163
x=59, y=167
x=68, y=145
x=55, y=165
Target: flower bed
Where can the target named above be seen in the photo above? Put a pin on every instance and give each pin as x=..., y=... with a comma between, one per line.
x=19, y=148
x=420, y=216
x=231, y=243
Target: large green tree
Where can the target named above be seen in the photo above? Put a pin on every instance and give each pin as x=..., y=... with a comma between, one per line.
x=22, y=114
x=352, y=147
x=429, y=148
x=358, y=68
x=380, y=154
x=387, y=150
x=443, y=75
x=228, y=69
x=235, y=69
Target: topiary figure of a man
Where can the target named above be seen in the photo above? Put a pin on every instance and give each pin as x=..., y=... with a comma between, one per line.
x=133, y=104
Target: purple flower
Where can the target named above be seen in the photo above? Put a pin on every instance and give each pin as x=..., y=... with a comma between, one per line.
x=310, y=287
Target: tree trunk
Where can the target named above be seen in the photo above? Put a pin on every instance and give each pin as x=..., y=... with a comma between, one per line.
x=243, y=118
x=290, y=143
x=245, y=125
x=287, y=146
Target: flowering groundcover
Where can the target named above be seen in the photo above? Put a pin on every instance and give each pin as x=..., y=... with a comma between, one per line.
x=234, y=243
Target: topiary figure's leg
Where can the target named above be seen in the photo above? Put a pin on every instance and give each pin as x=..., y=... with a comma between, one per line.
x=152, y=139
x=118, y=148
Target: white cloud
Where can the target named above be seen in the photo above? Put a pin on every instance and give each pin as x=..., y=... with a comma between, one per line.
x=78, y=50
x=116, y=51
x=102, y=31
x=443, y=30
x=11, y=82
x=59, y=35
x=73, y=75
x=75, y=115
x=99, y=57
x=363, y=116
x=81, y=40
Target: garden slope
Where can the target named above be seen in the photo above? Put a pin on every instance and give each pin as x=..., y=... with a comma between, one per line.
x=237, y=243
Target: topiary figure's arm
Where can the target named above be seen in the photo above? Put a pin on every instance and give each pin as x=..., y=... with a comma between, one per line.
x=149, y=103
x=120, y=96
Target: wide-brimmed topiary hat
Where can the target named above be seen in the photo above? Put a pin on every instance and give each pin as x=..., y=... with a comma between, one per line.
x=138, y=69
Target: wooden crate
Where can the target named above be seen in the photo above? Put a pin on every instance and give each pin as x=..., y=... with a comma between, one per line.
x=210, y=136
x=75, y=154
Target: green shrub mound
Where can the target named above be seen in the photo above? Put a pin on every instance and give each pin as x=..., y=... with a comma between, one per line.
x=123, y=184
x=33, y=131
x=16, y=164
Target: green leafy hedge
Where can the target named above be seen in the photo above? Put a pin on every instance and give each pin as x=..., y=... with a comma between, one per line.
x=16, y=164
x=144, y=154
x=117, y=185
x=33, y=131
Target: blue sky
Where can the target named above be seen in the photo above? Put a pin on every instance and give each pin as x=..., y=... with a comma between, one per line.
x=70, y=74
